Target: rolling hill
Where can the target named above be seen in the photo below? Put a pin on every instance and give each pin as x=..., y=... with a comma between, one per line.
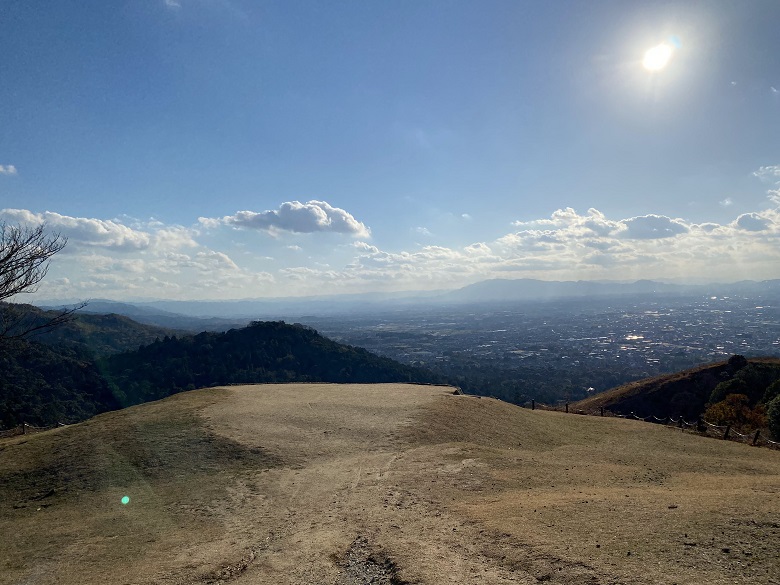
x=89, y=333
x=61, y=382
x=685, y=393
x=385, y=484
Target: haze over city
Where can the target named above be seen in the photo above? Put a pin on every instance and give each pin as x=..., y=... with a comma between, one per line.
x=209, y=149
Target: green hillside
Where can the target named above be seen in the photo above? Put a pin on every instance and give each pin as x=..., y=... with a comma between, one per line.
x=262, y=352
x=43, y=386
x=61, y=381
x=94, y=333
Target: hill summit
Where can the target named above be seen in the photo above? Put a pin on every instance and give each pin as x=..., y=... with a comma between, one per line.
x=387, y=484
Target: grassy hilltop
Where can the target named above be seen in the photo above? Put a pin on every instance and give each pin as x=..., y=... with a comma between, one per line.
x=390, y=483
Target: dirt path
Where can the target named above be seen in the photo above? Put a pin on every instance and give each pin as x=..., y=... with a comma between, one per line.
x=385, y=484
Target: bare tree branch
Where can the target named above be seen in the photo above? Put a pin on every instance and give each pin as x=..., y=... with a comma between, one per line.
x=24, y=262
x=24, y=257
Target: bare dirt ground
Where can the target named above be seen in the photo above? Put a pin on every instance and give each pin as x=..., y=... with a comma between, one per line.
x=385, y=484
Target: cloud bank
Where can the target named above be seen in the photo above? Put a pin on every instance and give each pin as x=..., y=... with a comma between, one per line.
x=222, y=258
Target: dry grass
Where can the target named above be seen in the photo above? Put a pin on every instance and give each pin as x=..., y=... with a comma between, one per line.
x=341, y=484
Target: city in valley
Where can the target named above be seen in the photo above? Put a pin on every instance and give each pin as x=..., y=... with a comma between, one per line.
x=563, y=349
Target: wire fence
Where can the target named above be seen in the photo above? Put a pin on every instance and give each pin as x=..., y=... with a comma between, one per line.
x=25, y=429
x=756, y=437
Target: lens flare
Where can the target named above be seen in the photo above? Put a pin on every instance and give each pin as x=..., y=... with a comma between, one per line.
x=656, y=58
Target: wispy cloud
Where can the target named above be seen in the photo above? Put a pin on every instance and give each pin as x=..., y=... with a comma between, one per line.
x=769, y=173
x=727, y=202
x=7, y=170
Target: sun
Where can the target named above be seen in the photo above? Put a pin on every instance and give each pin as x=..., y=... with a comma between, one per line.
x=656, y=58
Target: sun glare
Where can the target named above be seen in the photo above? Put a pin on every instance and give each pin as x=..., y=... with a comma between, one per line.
x=656, y=58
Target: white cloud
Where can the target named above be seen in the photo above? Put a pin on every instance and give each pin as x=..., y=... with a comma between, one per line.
x=648, y=227
x=82, y=230
x=7, y=170
x=294, y=216
x=423, y=231
x=753, y=222
x=175, y=4
x=168, y=261
x=727, y=202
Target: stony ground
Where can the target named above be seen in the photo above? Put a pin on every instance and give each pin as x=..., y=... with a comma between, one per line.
x=384, y=484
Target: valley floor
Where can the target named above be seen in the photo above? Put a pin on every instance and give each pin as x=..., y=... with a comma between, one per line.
x=387, y=484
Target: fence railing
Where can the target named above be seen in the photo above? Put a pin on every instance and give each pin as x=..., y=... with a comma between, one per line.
x=700, y=426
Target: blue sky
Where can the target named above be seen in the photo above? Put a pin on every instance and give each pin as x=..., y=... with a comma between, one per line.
x=233, y=149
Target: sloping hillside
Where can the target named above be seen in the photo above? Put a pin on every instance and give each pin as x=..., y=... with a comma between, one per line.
x=44, y=385
x=88, y=333
x=384, y=484
x=47, y=384
x=684, y=393
x=270, y=351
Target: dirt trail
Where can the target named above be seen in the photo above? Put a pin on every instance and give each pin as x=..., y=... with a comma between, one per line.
x=392, y=484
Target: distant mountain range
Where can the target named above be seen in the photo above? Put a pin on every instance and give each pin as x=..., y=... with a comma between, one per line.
x=223, y=315
x=530, y=289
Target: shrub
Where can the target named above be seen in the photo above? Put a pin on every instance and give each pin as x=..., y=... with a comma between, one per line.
x=735, y=411
x=734, y=386
x=737, y=362
x=772, y=392
x=773, y=418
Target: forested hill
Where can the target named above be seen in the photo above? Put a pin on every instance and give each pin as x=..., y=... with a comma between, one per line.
x=754, y=381
x=261, y=352
x=88, y=334
x=44, y=384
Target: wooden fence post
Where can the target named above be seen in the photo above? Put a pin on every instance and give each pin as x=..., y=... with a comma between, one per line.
x=602, y=411
x=726, y=434
x=755, y=437
x=567, y=407
x=533, y=405
x=24, y=428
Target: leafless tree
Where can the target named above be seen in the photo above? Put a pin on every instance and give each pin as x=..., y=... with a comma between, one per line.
x=24, y=261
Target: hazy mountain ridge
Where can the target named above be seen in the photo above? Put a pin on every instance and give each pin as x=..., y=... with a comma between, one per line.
x=527, y=289
x=221, y=315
